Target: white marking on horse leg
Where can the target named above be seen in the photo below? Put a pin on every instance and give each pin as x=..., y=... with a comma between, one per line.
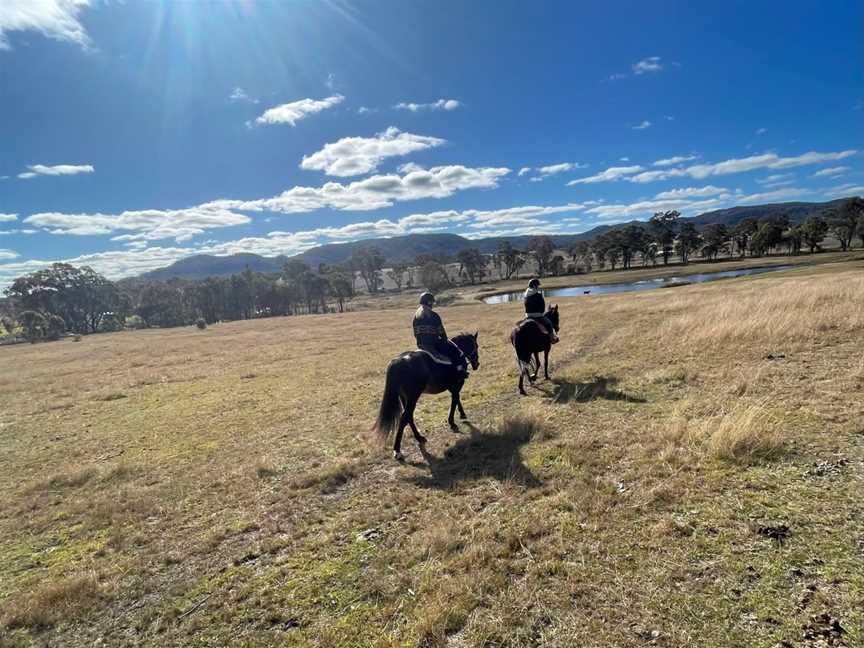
x=398, y=456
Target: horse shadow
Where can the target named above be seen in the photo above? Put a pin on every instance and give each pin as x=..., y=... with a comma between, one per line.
x=482, y=454
x=599, y=388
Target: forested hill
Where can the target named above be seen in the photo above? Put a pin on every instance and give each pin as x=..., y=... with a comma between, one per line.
x=406, y=248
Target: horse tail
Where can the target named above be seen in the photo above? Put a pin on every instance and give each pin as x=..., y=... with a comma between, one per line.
x=391, y=408
x=525, y=355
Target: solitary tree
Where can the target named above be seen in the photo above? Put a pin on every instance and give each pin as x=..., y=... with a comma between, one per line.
x=509, y=259
x=434, y=277
x=368, y=261
x=664, y=226
x=688, y=241
x=542, y=248
x=716, y=238
x=813, y=231
x=472, y=263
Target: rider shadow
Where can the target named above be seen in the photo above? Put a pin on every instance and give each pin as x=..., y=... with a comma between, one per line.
x=600, y=388
x=483, y=454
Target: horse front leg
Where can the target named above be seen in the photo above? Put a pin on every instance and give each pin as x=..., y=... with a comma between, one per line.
x=533, y=376
x=546, y=363
x=522, y=373
x=462, y=414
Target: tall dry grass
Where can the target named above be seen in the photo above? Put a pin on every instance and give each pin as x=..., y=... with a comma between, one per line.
x=739, y=432
x=799, y=311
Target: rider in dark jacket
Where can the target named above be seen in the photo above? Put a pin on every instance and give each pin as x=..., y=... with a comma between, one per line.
x=431, y=336
x=535, y=308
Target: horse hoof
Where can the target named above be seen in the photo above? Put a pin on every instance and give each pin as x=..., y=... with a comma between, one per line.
x=463, y=417
x=522, y=392
x=398, y=456
x=454, y=427
x=421, y=440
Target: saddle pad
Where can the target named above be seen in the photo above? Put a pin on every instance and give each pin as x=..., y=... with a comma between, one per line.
x=531, y=320
x=440, y=359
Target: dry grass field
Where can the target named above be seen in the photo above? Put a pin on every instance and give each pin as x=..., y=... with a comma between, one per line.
x=692, y=476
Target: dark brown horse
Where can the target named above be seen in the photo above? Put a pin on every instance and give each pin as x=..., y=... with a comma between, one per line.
x=528, y=341
x=415, y=373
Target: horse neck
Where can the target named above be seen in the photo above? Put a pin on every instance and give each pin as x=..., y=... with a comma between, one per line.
x=461, y=340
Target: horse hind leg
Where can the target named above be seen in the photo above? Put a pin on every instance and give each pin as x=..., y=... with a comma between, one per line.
x=409, y=413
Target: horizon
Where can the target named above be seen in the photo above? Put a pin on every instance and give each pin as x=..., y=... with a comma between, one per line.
x=140, y=134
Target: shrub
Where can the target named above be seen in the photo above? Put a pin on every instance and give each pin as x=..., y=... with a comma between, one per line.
x=201, y=323
x=55, y=327
x=135, y=322
x=111, y=322
x=34, y=326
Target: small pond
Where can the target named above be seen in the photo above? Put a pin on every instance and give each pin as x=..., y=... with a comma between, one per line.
x=645, y=284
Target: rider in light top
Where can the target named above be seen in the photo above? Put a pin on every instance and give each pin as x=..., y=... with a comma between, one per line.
x=535, y=308
x=431, y=336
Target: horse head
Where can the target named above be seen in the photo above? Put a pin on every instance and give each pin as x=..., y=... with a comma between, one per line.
x=552, y=315
x=467, y=343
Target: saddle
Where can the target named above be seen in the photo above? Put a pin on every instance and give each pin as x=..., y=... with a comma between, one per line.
x=531, y=320
x=437, y=357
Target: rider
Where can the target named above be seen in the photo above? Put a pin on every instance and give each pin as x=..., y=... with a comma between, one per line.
x=431, y=336
x=535, y=308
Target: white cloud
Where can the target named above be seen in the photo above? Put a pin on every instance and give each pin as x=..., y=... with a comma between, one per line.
x=727, y=167
x=57, y=19
x=152, y=224
x=648, y=65
x=375, y=192
x=645, y=124
x=523, y=171
x=706, y=199
x=7, y=254
x=775, y=177
x=6, y=218
x=138, y=258
x=678, y=159
x=831, y=172
x=555, y=169
x=357, y=155
x=609, y=175
x=441, y=104
x=291, y=113
x=848, y=189
x=183, y=224
x=761, y=131
x=36, y=170
x=691, y=192
x=239, y=94
x=364, y=110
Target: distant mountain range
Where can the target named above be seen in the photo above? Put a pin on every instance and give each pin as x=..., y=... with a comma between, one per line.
x=406, y=248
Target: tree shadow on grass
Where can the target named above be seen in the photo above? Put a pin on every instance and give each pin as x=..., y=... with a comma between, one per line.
x=600, y=388
x=485, y=453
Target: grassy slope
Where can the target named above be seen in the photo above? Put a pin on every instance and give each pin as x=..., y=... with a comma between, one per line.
x=198, y=488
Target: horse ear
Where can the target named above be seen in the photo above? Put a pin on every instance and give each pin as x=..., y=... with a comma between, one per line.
x=476, y=334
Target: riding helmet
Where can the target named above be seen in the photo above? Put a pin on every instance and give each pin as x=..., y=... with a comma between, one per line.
x=534, y=283
x=427, y=299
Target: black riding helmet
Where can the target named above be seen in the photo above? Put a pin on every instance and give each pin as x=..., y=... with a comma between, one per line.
x=427, y=299
x=534, y=283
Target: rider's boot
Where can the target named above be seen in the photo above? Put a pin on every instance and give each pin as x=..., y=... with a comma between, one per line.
x=554, y=337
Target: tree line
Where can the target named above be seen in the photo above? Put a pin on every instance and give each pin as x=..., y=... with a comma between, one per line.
x=61, y=299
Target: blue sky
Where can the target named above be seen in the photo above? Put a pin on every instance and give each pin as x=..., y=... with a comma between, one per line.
x=135, y=133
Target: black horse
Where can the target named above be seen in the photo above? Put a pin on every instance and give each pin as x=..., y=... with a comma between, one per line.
x=415, y=373
x=528, y=340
